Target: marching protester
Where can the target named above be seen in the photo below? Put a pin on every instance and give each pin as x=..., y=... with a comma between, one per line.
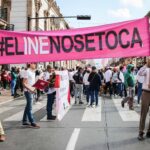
x=51, y=92
x=87, y=85
x=84, y=88
x=101, y=74
x=145, y=71
x=78, y=77
x=140, y=80
x=130, y=84
x=28, y=82
x=115, y=81
x=13, y=80
x=17, y=82
x=4, y=77
x=71, y=82
x=2, y=134
x=95, y=83
x=120, y=82
x=108, y=77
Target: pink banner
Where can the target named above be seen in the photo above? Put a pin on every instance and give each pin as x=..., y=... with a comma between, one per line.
x=124, y=39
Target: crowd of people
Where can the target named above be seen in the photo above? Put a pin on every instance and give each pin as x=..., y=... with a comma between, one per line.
x=124, y=82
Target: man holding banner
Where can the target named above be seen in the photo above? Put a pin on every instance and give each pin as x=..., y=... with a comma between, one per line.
x=51, y=92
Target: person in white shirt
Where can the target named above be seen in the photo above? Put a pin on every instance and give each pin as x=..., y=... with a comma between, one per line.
x=145, y=71
x=51, y=92
x=87, y=85
x=115, y=81
x=140, y=80
x=28, y=82
x=120, y=82
x=108, y=77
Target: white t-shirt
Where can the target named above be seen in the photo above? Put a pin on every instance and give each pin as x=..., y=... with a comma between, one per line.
x=144, y=71
x=47, y=77
x=22, y=73
x=85, y=79
x=108, y=75
x=139, y=78
x=115, y=77
x=30, y=76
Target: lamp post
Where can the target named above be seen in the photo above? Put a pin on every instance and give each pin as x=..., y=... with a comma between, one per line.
x=78, y=17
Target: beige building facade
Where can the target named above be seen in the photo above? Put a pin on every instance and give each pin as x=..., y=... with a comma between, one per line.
x=21, y=14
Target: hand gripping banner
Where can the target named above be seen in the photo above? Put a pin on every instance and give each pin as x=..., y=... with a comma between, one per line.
x=124, y=39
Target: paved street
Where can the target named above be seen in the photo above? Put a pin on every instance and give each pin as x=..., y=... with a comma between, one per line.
x=108, y=127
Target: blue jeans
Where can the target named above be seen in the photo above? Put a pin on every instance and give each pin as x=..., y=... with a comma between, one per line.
x=13, y=85
x=50, y=102
x=94, y=96
x=28, y=109
x=139, y=91
x=120, y=89
x=87, y=92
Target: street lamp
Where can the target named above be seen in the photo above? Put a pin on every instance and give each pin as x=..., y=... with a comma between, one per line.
x=78, y=17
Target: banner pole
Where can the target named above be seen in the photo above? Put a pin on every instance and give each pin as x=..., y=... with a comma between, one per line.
x=148, y=18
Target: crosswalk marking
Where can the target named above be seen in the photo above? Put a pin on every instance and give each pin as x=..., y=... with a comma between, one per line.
x=93, y=114
x=61, y=117
x=125, y=113
x=72, y=142
x=4, y=109
x=18, y=116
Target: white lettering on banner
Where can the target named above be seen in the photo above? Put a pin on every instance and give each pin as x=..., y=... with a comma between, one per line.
x=42, y=45
x=32, y=45
x=25, y=45
x=37, y=45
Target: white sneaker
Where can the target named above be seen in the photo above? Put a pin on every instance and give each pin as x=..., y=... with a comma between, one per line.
x=87, y=105
x=138, y=105
x=93, y=106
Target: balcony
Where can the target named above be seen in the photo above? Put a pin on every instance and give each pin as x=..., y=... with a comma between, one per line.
x=10, y=27
x=3, y=14
x=4, y=20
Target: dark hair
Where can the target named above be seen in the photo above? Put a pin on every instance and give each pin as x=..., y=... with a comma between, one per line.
x=56, y=68
x=13, y=69
x=88, y=71
x=93, y=68
x=79, y=69
x=121, y=67
x=37, y=72
x=49, y=67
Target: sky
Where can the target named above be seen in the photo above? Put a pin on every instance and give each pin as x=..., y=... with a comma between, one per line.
x=102, y=11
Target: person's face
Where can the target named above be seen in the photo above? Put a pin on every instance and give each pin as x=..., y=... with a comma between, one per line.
x=81, y=71
x=33, y=66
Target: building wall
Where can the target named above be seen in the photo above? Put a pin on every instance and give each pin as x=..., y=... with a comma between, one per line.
x=18, y=14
